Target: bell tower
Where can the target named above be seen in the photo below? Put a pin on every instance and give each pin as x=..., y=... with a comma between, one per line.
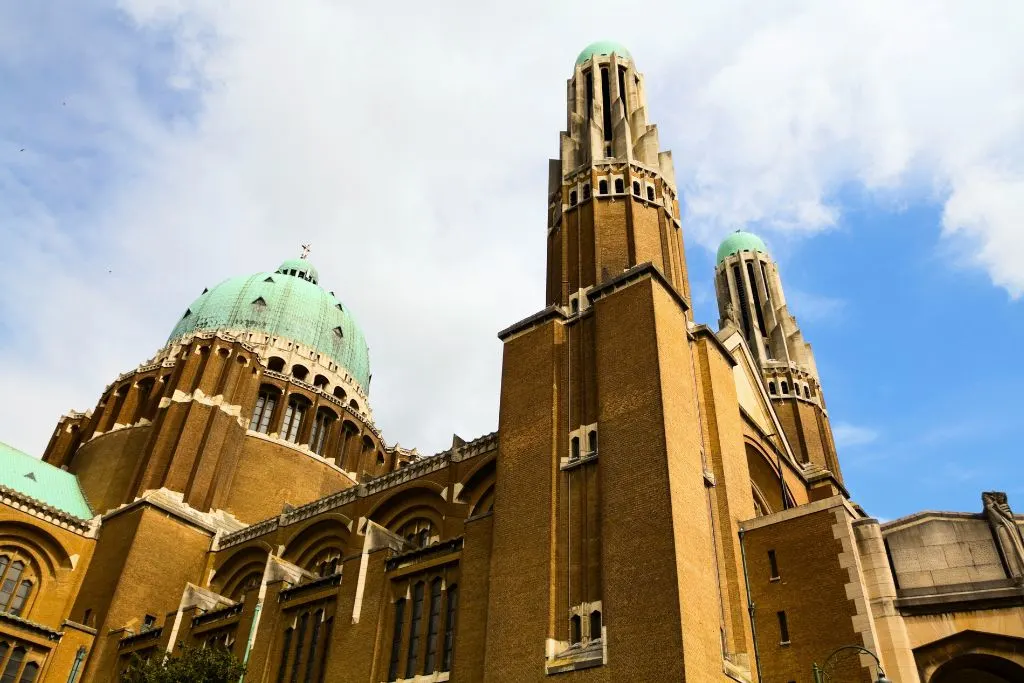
x=603, y=508
x=751, y=299
x=612, y=200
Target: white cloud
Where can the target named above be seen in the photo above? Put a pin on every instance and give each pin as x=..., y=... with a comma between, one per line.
x=409, y=145
x=847, y=435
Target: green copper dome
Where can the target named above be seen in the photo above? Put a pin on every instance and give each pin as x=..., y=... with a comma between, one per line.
x=740, y=241
x=283, y=305
x=48, y=484
x=603, y=47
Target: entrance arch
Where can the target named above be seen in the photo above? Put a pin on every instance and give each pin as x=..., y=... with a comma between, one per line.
x=978, y=668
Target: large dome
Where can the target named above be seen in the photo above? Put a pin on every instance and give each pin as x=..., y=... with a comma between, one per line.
x=286, y=304
x=740, y=241
x=603, y=47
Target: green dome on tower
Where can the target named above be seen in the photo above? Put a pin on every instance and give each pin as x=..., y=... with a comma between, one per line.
x=740, y=241
x=603, y=47
x=286, y=304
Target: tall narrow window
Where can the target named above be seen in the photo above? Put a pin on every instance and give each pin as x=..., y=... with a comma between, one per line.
x=449, y=627
x=784, y=388
x=414, y=630
x=807, y=392
x=620, y=186
x=10, y=583
x=13, y=664
x=314, y=641
x=590, y=95
x=433, y=626
x=285, y=649
x=757, y=299
x=650, y=194
x=636, y=188
x=396, y=640
x=572, y=198
x=586, y=191
x=606, y=102
x=300, y=637
x=771, y=388
x=773, y=565
x=29, y=673
x=744, y=312
x=265, y=404
x=592, y=441
x=321, y=428
x=328, y=630
x=293, y=419
x=574, y=448
x=783, y=628
x=595, y=624
x=602, y=187
x=575, y=630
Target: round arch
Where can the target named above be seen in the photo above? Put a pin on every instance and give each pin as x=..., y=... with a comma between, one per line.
x=978, y=668
x=766, y=479
x=313, y=539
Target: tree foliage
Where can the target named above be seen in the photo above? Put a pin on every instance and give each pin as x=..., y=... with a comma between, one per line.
x=189, y=665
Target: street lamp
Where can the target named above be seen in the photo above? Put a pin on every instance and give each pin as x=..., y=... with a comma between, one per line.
x=821, y=673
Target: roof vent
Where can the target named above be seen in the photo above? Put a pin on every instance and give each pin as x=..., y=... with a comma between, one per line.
x=269, y=279
x=260, y=301
x=32, y=476
x=188, y=312
x=339, y=332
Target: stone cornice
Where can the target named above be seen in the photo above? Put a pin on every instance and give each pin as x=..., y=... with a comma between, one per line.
x=47, y=513
x=552, y=312
x=637, y=272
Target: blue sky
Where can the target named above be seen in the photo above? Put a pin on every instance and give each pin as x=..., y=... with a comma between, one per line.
x=878, y=147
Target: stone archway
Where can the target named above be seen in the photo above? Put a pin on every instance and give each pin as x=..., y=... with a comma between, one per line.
x=978, y=668
x=972, y=657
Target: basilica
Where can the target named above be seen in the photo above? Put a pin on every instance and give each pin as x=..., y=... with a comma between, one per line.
x=662, y=499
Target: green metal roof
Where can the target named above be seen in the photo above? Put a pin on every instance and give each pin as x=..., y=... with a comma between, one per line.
x=603, y=47
x=42, y=481
x=291, y=307
x=740, y=241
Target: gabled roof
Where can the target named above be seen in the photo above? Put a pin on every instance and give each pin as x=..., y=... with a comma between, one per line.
x=43, y=482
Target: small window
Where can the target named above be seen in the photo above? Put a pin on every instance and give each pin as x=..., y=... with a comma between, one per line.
x=275, y=364
x=650, y=193
x=620, y=186
x=807, y=392
x=572, y=198
x=636, y=187
x=592, y=441
x=300, y=372
x=773, y=564
x=574, y=304
x=783, y=628
x=602, y=187
x=575, y=630
x=771, y=388
x=785, y=388
x=574, y=448
x=87, y=617
x=586, y=192
x=148, y=622
x=595, y=624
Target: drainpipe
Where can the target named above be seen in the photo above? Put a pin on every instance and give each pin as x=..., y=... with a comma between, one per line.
x=750, y=607
x=252, y=637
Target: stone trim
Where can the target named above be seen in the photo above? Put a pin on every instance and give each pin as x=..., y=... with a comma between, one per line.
x=32, y=627
x=552, y=312
x=799, y=511
x=47, y=513
x=636, y=273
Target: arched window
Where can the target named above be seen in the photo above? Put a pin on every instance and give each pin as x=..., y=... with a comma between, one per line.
x=29, y=673
x=602, y=187
x=396, y=639
x=636, y=187
x=300, y=639
x=13, y=664
x=650, y=193
x=145, y=391
x=300, y=372
x=321, y=429
x=807, y=392
x=266, y=401
x=314, y=641
x=575, y=630
x=785, y=388
x=592, y=442
x=586, y=192
x=620, y=186
x=10, y=584
x=286, y=646
x=380, y=459
x=418, y=531
x=572, y=198
x=353, y=404
x=321, y=382
x=433, y=626
x=275, y=364
x=339, y=392
x=21, y=597
x=293, y=417
x=574, y=448
x=414, y=630
x=451, y=611
x=771, y=388
x=595, y=624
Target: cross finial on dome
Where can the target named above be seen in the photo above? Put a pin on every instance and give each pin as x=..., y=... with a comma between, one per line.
x=305, y=251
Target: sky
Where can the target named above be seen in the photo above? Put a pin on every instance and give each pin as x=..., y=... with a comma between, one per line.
x=152, y=148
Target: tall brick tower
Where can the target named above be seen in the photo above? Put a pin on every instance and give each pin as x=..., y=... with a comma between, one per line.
x=603, y=515
x=750, y=297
